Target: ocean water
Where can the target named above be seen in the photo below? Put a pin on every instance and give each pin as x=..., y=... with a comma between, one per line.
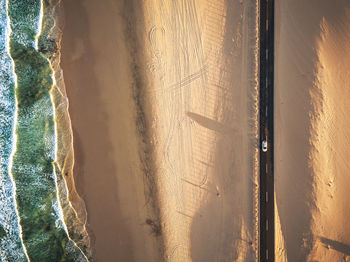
x=32, y=220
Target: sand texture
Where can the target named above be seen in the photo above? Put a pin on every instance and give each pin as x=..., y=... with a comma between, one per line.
x=202, y=86
x=163, y=101
x=109, y=173
x=312, y=139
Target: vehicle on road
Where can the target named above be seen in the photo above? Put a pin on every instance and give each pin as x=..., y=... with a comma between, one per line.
x=264, y=146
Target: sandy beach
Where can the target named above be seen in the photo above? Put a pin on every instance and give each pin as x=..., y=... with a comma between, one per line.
x=163, y=102
x=312, y=94
x=108, y=171
x=203, y=68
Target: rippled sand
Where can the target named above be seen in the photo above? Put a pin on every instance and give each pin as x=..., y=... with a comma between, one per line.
x=331, y=142
x=312, y=138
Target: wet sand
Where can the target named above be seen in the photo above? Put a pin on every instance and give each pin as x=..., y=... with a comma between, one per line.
x=163, y=102
x=312, y=84
x=109, y=175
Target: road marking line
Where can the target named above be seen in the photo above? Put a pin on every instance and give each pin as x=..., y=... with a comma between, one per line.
x=267, y=197
x=267, y=225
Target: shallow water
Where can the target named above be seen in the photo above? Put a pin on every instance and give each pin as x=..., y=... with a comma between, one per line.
x=32, y=219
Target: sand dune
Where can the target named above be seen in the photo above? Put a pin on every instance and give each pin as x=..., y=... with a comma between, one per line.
x=163, y=100
x=330, y=140
x=311, y=136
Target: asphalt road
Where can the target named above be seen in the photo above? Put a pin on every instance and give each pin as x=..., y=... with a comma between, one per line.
x=266, y=65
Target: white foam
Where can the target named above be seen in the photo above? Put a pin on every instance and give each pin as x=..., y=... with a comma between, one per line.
x=41, y=16
x=58, y=204
x=14, y=135
x=8, y=199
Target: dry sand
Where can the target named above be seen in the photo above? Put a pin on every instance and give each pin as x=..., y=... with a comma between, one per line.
x=163, y=101
x=312, y=138
x=202, y=66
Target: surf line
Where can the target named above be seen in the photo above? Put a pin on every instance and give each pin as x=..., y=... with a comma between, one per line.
x=60, y=210
x=14, y=132
x=54, y=84
x=40, y=26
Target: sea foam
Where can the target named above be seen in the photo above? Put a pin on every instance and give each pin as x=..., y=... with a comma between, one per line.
x=32, y=225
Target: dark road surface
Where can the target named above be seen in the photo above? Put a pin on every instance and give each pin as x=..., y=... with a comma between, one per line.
x=266, y=81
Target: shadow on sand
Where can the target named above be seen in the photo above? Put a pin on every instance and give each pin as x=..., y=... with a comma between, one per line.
x=336, y=245
x=294, y=178
x=209, y=123
x=223, y=227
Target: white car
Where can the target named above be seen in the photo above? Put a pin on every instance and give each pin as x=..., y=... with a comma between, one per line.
x=264, y=146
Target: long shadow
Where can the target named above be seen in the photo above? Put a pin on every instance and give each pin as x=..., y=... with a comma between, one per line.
x=222, y=229
x=293, y=175
x=209, y=123
x=94, y=168
x=336, y=245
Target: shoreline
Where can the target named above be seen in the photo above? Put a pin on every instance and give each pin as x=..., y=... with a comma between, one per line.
x=73, y=206
x=152, y=123
x=110, y=166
